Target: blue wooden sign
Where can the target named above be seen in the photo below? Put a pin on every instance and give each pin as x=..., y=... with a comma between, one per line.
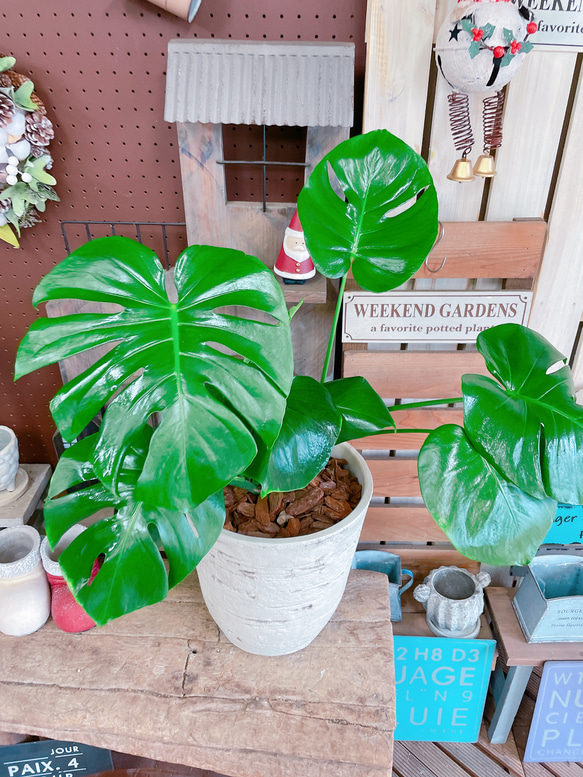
x=556, y=731
x=54, y=759
x=567, y=526
x=441, y=687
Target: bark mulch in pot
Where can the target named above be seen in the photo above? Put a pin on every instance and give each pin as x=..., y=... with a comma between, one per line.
x=330, y=497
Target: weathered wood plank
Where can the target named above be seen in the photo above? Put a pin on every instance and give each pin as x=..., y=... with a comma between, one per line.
x=400, y=524
x=521, y=188
x=505, y=754
x=558, y=300
x=399, y=36
x=429, y=752
x=406, y=764
x=486, y=249
x=419, y=374
x=328, y=709
x=395, y=477
x=473, y=760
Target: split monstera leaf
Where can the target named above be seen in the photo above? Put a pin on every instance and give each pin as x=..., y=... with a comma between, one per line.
x=493, y=486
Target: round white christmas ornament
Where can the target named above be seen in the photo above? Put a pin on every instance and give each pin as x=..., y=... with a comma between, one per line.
x=479, y=48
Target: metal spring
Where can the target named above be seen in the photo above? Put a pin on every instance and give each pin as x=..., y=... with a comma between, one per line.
x=459, y=120
x=493, y=110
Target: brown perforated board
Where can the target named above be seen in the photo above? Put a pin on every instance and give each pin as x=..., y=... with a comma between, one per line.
x=100, y=70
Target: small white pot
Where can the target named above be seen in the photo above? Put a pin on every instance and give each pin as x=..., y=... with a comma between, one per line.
x=274, y=596
x=25, y=600
x=8, y=458
x=454, y=601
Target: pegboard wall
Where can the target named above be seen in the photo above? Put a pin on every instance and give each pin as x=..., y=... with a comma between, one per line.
x=100, y=70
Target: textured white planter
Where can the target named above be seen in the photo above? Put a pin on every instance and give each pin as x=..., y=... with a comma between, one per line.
x=454, y=600
x=8, y=458
x=25, y=600
x=13, y=481
x=274, y=596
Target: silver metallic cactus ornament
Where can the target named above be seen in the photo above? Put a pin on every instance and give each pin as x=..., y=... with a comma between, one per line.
x=453, y=599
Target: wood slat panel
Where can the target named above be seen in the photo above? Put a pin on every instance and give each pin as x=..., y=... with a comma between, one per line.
x=521, y=188
x=400, y=524
x=487, y=249
x=386, y=442
x=399, y=36
x=422, y=374
x=558, y=301
x=395, y=477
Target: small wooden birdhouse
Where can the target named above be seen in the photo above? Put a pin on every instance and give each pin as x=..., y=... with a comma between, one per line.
x=253, y=119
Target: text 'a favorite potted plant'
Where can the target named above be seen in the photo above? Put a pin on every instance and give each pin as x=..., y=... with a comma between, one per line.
x=199, y=397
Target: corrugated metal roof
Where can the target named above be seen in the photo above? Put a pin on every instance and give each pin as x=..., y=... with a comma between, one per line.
x=246, y=82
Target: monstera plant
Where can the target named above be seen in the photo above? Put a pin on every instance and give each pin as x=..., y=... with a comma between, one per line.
x=199, y=393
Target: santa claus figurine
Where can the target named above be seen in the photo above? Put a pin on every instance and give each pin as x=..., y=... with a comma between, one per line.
x=294, y=263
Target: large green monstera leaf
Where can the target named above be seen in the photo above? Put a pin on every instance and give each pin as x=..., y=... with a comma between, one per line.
x=493, y=486
x=217, y=381
x=126, y=547
x=385, y=223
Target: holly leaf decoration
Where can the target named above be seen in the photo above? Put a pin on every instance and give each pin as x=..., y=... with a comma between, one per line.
x=6, y=63
x=488, y=31
x=526, y=47
x=467, y=24
x=506, y=59
x=22, y=96
x=508, y=35
x=36, y=168
x=474, y=48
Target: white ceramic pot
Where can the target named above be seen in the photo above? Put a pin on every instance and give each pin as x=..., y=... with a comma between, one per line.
x=274, y=596
x=8, y=458
x=454, y=600
x=25, y=600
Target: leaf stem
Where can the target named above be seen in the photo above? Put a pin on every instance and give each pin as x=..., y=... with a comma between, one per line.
x=426, y=403
x=333, y=328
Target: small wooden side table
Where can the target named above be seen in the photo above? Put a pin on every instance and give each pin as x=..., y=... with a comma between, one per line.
x=520, y=657
x=164, y=683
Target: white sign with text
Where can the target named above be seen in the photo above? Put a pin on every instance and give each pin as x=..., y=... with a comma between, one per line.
x=560, y=22
x=445, y=317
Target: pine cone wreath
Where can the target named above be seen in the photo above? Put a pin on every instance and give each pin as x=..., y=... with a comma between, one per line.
x=6, y=110
x=39, y=130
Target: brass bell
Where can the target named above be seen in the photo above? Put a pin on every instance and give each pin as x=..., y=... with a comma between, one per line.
x=461, y=171
x=485, y=166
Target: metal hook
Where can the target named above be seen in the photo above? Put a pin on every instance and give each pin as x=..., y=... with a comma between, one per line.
x=438, y=240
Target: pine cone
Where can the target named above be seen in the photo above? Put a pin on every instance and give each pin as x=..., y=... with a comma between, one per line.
x=39, y=130
x=30, y=217
x=38, y=151
x=5, y=80
x=6, y=110
x=5, y=206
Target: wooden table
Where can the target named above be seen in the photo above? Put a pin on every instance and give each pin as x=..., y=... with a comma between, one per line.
x=520, y=657
x=164, y=683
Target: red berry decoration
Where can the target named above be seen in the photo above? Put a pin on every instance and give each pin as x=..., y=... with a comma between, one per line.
x=531, y=28
x=515, y=47
x=477, y=33
x=499, y=52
